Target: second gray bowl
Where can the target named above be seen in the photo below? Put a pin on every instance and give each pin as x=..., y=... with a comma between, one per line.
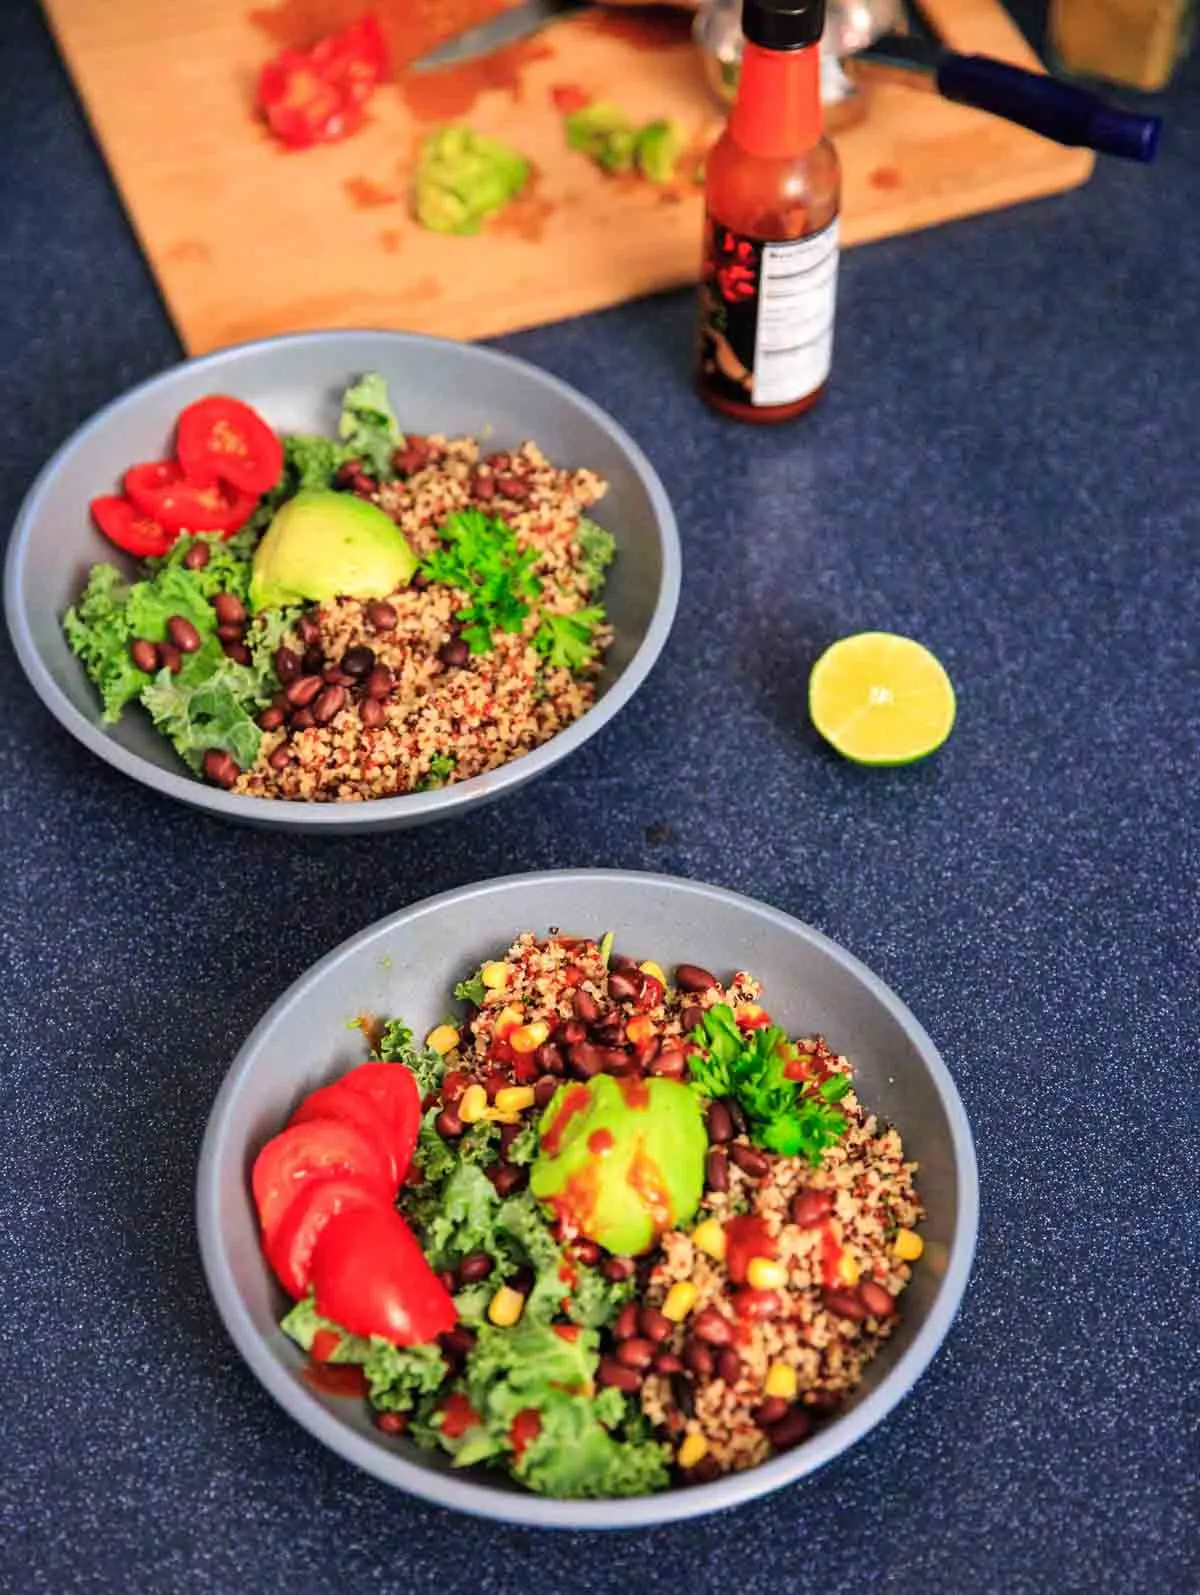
x=406, y=966
x=297, y=382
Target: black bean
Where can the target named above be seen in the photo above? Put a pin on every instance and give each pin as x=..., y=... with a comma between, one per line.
x=612, y=1372
x=144, y=655
x=229, y=609
x=183, y=634
x=370, y=712
x=302, y=691
x=719, y=1121
x=750, y=1160
x=716, y=1170
x=690, y=1016
x=623, y=987
x=313, y=661
x=454, y=654
x=690, y=977
x=287, y=664
x=220, y=769
x=358, y=661
x=586, y=1007
x=381, y=615
x=791, y=1429
x=474, y=1267
x=328, y=705
x=379, y=683
x=197, y=557
x=308, y=631
x=271, y=718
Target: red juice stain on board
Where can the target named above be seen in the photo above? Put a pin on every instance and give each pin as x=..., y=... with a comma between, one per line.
x=365, y=194
x=390, y=240
x=526, y=216
x=885, y=177
x=411, y=27
x=451, y=91
x=657, y=28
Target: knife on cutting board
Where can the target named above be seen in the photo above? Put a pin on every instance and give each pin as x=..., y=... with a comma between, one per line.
x=1046, y=105
x=520, y=22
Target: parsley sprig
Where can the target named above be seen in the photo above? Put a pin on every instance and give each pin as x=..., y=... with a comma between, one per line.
x=797, y=1118
x=480, y=555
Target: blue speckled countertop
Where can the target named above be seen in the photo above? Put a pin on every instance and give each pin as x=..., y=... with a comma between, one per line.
x=1005, y=469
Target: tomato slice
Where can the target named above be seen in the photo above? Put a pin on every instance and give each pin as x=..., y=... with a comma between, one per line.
x=351, y=1107
x=320, y=1149
x=353, y=60
x=370, y=1275
x=392, y=1091
x=126, y=526
x=294, y=1238
x=161, y=490
x=222, y=439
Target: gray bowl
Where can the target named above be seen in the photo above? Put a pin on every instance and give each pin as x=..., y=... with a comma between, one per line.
x=296, y=382
x=405, y=965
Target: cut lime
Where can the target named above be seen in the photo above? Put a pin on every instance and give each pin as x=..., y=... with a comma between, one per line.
x=881, y=699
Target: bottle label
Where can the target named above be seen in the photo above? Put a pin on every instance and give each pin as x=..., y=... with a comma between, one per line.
x=766, y=314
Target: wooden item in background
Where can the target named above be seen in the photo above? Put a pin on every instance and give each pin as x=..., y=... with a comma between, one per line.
x=247, y=239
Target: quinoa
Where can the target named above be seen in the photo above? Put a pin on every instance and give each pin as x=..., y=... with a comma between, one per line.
x=553, y=1010
x=440, y=720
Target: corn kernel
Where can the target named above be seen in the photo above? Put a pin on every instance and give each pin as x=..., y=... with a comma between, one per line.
x=909, y=1245
x=640, y=1029
x=514, y=1099
x=505, y=1307
x=709, y=1237
x=655, y=971
x=528, y=1038
x=508, y=1020
x=780, y=1381
x=694, y=1449
x=473, y=1104
x=764, y=1273
x=443, y=1039
x=848, y=1270
x=494, y=976
x=681, y=1298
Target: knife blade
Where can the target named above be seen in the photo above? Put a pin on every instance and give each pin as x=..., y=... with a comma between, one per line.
x=1046, y=105
x=510, y=26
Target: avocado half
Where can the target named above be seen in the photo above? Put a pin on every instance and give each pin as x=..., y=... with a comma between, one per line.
x=323, y=545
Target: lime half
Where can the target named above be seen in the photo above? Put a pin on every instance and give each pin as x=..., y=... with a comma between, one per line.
x=881, y=699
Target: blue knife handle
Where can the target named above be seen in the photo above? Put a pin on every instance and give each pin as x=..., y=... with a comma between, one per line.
x=1056, y=110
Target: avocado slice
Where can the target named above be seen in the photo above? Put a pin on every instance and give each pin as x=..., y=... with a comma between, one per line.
x=322, y=545
x=659, y=146
x=621, y=1160
x=463, y=177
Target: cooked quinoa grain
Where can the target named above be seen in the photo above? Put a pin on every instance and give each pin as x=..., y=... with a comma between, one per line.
x=444, y=713
x=758, y=1317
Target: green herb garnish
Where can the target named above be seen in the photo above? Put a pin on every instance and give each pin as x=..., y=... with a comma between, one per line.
x=596, y=550
x=480, y=555
x=794, y=1117
x=568, y=642
x=472, y=990
x=368, y=425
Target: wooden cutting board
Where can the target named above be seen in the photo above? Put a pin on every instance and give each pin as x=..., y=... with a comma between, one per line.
x=248, y=239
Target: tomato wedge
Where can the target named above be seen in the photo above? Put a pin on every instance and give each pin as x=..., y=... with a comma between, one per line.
x=299, y=106
x=352, y=1107
x=222, y=439
x=295, y=1236
x=161, y=490
x=392, y=1091
x=126, y=526
x=317, y=1150
x=370, y=1275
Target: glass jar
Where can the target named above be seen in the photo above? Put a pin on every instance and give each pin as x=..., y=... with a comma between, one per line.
x=1133, y=43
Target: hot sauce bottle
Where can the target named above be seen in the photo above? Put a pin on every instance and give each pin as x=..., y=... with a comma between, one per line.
x=772, y=189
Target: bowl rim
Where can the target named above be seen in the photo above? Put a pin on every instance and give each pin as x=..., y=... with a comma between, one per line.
x=412, y=807
x=522, y=1508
